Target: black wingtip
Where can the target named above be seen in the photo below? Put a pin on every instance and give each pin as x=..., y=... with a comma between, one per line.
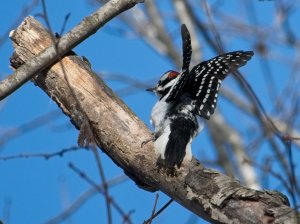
x=185, y=34
x=250, y=53
x=247, y=55
x=184, y=28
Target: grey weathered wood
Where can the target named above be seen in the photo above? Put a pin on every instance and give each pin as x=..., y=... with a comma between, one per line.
x=88, y=26
x=119, y=133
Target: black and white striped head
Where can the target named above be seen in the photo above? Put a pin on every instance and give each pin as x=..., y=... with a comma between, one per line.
x=165, y=83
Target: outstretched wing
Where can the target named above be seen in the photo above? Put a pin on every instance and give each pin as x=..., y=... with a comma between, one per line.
x=206, y=77
x=186, y=54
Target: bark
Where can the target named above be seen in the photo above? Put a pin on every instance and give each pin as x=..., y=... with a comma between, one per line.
x=119, y=133
x=88, y=26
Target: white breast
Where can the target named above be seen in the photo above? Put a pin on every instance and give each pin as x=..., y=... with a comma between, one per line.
x=158, y=114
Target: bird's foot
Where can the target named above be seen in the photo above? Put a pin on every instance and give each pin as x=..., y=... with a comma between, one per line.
x=153, y=138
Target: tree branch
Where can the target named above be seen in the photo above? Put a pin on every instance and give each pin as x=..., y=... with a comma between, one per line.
x=88, y=26
x=119, y=133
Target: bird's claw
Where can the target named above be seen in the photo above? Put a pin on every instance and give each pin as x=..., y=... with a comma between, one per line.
x=153, y=138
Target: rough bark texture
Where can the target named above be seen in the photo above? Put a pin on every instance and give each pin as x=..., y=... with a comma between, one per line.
x=119, y=133
x=88, y=26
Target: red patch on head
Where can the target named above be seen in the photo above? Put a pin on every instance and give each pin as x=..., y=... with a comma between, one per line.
x=172, y=74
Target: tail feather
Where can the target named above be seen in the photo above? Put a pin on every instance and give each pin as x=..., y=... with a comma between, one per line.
x=182, y=131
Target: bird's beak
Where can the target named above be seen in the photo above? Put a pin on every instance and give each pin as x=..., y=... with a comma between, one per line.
x=153, y=89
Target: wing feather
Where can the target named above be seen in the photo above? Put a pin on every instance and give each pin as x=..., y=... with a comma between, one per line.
x=186, y=54
x=206, y=78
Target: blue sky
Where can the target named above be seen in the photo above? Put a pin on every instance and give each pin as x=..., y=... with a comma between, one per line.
x=39, y=189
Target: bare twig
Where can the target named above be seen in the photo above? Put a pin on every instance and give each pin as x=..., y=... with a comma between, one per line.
x=278, y=176
x=213, y=27
x=46, y=156
x=84, y=198
x=63, y=27
x=100, y=189
x=149, y=221
x=104, y=184
x=292, y=176
x=158, y=212
x=37, y=122
x=73, y=207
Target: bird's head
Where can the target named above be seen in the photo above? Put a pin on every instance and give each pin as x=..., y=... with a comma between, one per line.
x=165, y=83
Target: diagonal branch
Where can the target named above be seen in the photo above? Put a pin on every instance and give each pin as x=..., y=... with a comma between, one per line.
x=88, y=26
x=119, y=133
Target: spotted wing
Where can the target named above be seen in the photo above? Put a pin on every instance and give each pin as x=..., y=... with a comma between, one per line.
x=186, y=54
x=206, y=77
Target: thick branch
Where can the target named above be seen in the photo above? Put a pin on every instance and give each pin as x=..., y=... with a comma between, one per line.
x=88, y=26
x=119, y=133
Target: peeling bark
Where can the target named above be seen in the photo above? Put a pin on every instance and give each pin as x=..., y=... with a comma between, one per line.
x=119, y=133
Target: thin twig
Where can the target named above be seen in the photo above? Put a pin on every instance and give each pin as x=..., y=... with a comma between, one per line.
x=153, y=210
x=293, y=179
x=63, y=27
x=104, y=184
x=216, y=34
x=41, y=155
x=69, y=211
x=46, y=18
x=83, y=198
x=158, y=212
x=37, y=122
x=269, y=170
x=101, y=190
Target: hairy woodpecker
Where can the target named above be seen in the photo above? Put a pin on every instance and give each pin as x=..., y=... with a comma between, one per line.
x=186, y=98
